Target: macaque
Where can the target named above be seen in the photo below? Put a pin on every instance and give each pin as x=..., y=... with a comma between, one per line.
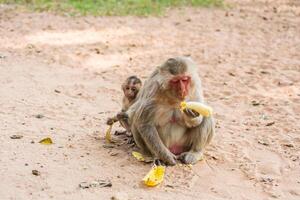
x=158, y=126
x=130, y=88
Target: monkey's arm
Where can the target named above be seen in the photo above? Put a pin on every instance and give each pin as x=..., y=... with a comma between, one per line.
x=123, y=118
x=152, y=140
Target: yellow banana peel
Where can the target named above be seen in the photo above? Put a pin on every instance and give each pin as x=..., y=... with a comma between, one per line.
x=138, y=156
x=108, y=134
x=155, y=176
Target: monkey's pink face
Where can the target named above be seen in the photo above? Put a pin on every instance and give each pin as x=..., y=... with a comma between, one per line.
x=180, y=85
x=130, y=91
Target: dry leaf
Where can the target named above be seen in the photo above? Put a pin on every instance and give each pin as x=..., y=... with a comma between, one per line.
x=46, y=141
x=155, y=176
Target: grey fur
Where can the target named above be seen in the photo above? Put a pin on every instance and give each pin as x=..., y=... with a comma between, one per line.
x=149, y=116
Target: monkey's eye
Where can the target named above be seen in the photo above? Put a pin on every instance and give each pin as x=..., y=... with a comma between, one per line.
x=127, y=88
x=175, y=81
x=133, y=89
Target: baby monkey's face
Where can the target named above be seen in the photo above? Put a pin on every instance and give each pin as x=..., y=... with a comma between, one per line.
x=131, y=87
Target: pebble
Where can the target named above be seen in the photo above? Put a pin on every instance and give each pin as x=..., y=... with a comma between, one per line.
x=16, y=137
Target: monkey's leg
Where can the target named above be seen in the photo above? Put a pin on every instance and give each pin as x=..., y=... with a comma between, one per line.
x=150, y=137
x=200, y=137
x=140, y=143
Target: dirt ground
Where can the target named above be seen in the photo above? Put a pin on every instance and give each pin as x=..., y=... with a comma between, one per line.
x=60, y=77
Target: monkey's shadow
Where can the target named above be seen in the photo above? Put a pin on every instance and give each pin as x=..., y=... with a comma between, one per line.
x=121, y=141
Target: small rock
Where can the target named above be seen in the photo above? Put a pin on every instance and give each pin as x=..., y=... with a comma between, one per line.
x=170, y=186
x=214, y=158
x=39, y=116
x=270, y=123
x=231, y=74
x=263, y=143
x=264, y=72
x=120, y=196
x=267, y=180
x=16, y=137
x=57, y=91
x=97, y=51
x=103, y=183
x=255, y=103
x=96, y=183
x=288, y=145
x=84, y=185
x=36, y=172
x=114, y=154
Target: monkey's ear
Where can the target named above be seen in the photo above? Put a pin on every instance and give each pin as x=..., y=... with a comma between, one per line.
x=123, y=87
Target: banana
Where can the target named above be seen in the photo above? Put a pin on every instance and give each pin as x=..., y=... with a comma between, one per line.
x=201, y=108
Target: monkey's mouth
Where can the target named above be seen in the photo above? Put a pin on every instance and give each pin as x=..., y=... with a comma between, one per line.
x=131, y=97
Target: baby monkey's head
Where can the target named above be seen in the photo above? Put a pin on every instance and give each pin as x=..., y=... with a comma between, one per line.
x=131, y=87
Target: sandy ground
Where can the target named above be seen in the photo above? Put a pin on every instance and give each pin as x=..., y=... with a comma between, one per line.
x=69, y=71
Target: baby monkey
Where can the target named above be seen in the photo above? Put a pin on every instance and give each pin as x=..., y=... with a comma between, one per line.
x=130, y=87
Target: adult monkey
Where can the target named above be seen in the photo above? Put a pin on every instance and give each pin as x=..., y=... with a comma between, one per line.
x=159, y=128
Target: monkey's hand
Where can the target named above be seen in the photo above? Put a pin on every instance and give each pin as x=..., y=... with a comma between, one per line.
x=190, y=113
x=122, y=116
x=169, y=158
x=192, y=118
x=111, y=121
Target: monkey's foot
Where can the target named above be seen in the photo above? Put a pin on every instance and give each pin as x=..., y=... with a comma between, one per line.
x=158, y=162
x=130, y=140
x=190, y=157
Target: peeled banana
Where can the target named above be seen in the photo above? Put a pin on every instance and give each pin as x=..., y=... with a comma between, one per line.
x=201, y=108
